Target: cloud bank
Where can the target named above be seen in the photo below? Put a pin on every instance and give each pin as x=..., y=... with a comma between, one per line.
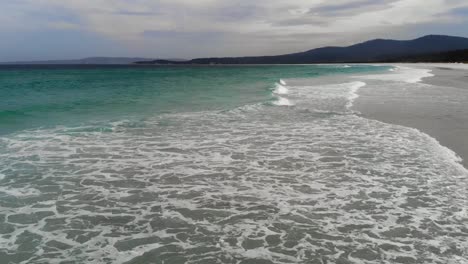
x=193, y=28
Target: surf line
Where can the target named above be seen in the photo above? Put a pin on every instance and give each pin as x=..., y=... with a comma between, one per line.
x=353, y=93
x=281, y=89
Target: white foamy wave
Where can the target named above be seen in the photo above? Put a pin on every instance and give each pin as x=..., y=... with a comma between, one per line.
x=246, y=108
x=281, y=101
x=450, y=156
x=329, y=98
x=353, y=95
x=261, y=184
x=401, y=74
x=280, y=89
x=357, y=85
x=25, y=192
x=282, y=82
x=280, y=179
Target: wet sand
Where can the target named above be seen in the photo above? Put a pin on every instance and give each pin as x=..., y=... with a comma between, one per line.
x=439, y=106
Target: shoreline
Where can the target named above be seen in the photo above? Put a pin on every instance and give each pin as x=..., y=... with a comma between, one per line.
x=434, y=105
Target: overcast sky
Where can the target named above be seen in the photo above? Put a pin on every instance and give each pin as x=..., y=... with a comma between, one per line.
x=62, y=29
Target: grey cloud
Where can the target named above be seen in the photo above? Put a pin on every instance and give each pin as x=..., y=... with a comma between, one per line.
x=194, y=28
x=326, y=14
x=460, y=12
x=132, y=13
x=170, y=34
x=239, y=12
x=306, y=20
x=337, y=9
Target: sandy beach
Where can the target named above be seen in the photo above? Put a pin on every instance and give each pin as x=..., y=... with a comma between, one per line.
x=436, y=105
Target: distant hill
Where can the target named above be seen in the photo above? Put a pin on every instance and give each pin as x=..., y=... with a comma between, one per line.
x=377, y=50
x=448, y=56
x=91, y=60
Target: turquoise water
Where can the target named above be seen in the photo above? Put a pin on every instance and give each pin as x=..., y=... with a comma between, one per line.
x=42, y=97
x=236, y=165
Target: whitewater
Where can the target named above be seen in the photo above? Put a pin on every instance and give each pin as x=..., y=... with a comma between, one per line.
x=299, y=177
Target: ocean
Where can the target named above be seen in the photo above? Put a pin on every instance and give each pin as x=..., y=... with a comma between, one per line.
x=219, y=164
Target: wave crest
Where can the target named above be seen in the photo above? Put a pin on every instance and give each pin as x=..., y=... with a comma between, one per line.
x=280, y=89
x=281, y=101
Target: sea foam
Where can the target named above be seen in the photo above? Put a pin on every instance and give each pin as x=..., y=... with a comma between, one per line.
x=353, y=95
x=271, y=184
x=273, y=175
x=401, y=74
x=282, y=101
x=280, y=89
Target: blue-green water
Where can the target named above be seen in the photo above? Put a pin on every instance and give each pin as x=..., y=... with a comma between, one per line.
x=236, y=165
x=35, y=96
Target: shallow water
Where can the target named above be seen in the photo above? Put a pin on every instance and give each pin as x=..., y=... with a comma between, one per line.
x=310, y=181
x=47, y=96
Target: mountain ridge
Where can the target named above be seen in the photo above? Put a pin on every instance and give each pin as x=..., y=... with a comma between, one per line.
x=376, y=50
x=88, y=60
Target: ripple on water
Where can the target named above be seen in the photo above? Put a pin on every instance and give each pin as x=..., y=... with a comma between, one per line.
x=266, y=186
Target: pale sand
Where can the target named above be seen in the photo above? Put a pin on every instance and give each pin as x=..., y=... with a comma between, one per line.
x=441, y=112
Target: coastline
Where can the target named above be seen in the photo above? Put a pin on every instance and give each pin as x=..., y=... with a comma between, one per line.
x=435, y=105
x=230, y=183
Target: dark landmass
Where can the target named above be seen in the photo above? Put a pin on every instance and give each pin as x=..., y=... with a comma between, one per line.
x=379, y=50
x=448, y=56
x=91, y=60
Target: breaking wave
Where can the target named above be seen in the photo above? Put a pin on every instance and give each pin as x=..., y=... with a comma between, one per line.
x=257, y=184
